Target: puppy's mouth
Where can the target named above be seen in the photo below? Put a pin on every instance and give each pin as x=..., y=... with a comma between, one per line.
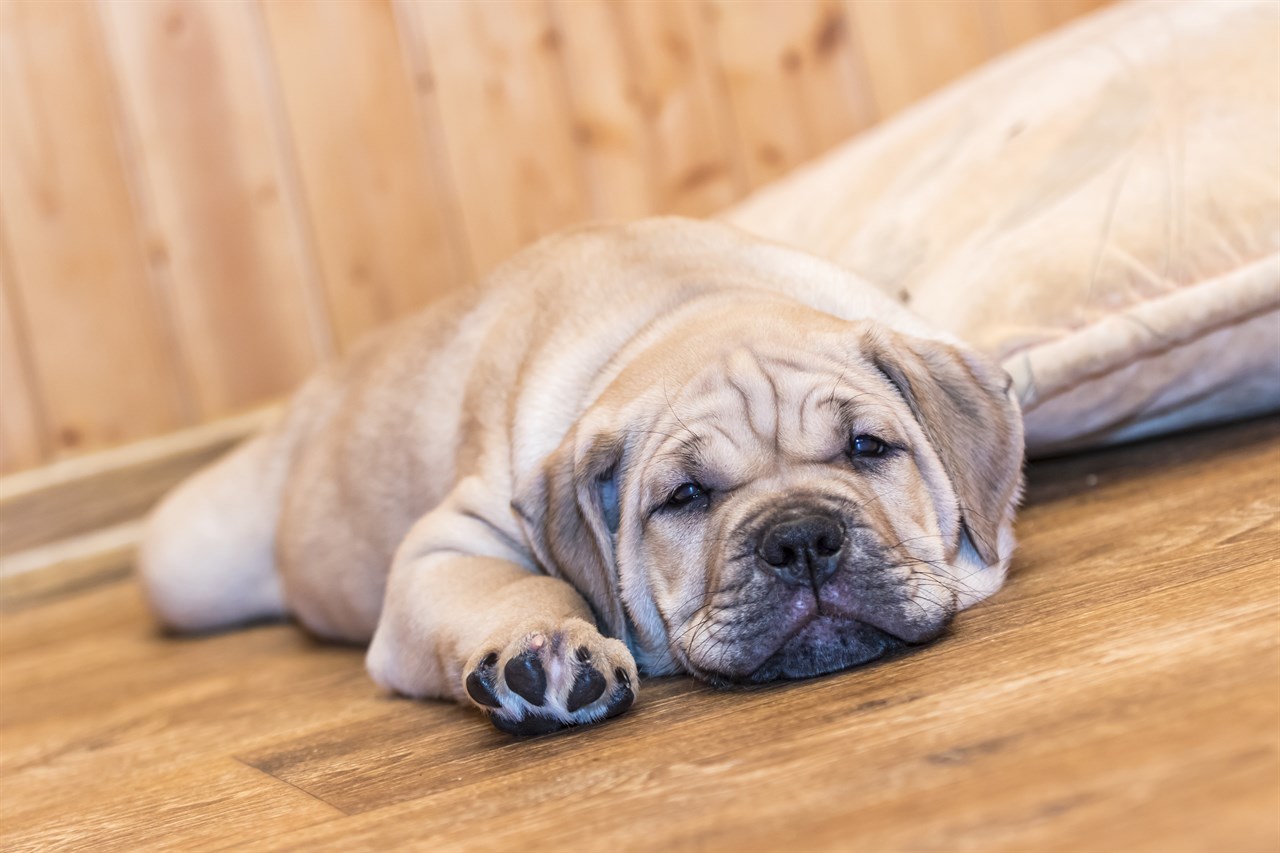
x=826, y=644
x=820, y=634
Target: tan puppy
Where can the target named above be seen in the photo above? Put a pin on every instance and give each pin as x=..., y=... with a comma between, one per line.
x=666, y=444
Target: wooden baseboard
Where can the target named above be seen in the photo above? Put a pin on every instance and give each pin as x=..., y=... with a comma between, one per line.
x=77, y=522
x=51, y=571
x=81, y=495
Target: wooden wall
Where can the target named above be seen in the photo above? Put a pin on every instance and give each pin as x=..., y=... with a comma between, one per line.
x=201, y=199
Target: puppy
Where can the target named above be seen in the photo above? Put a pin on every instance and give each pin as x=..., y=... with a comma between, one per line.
x=661, y=447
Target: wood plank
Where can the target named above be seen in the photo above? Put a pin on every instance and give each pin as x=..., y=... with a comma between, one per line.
x=21, y=418
x=615, y=145
x=123, y=809
x=377, y=204
x=501, y=92
x=1060, y=12
x=197, y=100
x=695, y=170
x=97, y=333
x=1015, y=22
x=122, y=758
x=81, y=495
x=796, y=86
x=942, y=38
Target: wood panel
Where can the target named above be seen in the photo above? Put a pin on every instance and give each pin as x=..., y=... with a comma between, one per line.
x=223, y=228
x=98, y=344
x=222, y=193
x=1016, y=21
x=681, y=92
x=373, y=186
x=913, y=48
x=1121, y=693
x=795, y=83
x=608, y=120
x=21, y=420
x=503, y=99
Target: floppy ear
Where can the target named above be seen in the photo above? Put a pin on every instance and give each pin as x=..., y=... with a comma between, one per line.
x=962, y=402
x=569, y=510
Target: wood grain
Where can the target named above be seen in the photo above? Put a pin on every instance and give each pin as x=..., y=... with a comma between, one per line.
x=942, y=38
x=222, y=193
x=211, y=164
x=608, y=119
x=794, y=81
x=1121, y=693
x=1014, y=22
x=22, y=433
x=97, y=331
x=374, y=197
x=681, y=91
x=502, y=95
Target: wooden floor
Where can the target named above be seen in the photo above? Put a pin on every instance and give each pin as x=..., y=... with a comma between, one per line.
x=1122, y=692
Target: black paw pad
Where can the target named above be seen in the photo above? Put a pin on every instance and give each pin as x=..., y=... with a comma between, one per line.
x=587, y=688
x=526, y=678
x=480, y=682
x=527, y=727
x=622, y=696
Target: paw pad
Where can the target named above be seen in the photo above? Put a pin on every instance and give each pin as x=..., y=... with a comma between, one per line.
x=550, y=682
x=526, y=678
x=588, y=686
x=480, y=682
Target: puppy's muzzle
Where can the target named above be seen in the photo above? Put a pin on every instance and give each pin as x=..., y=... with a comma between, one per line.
x=802, y=547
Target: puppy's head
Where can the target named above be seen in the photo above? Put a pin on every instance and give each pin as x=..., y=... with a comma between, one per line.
x=762, y=510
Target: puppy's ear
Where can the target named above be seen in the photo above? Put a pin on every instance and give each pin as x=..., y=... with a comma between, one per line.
x=570, y=513
x=962, y=402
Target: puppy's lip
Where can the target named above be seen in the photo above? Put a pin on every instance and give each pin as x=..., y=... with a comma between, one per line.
x=886, y=610
x=907, y=632
x=799, y=612
x=893, y=636
x=784, y=664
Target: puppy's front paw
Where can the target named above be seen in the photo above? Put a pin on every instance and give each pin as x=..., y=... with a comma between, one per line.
x=547, y=677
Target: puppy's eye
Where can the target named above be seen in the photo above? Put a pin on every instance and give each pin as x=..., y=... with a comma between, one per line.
x=868, y=445
x=685, y=495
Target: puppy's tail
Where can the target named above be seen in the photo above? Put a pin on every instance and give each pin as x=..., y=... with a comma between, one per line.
x=207, y=558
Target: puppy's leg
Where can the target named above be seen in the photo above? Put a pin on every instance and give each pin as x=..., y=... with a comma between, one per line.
x=207, y=556
x=484, y=629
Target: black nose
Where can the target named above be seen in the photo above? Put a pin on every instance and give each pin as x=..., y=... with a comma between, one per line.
x=804, y=550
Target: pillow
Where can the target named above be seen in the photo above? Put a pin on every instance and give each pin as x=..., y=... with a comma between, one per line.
x=1099, y=210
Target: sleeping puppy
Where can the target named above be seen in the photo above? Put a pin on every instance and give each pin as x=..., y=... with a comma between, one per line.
x=661, y=447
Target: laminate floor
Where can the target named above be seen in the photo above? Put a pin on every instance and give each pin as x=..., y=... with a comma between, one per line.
x=1122, y=692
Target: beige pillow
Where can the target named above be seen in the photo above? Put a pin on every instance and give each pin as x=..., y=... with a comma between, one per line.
x=1099, y=210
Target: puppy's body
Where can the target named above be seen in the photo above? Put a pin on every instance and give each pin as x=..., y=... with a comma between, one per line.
x=415, y=494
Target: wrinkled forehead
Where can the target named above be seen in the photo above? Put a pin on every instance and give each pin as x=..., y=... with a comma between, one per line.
x=752, y=410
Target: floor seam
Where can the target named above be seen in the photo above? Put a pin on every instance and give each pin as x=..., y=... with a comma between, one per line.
x=315, y=797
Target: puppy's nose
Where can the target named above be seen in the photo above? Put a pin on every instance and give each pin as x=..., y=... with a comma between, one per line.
x=803, y=551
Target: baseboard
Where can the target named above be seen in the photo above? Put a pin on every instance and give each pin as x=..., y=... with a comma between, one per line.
x=52, y=571
x=77, y=522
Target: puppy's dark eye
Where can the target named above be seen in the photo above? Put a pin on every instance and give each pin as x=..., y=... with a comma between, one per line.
x=686, y=494
x=867, y=445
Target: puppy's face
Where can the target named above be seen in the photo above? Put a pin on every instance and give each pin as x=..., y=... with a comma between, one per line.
x=788, y=511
